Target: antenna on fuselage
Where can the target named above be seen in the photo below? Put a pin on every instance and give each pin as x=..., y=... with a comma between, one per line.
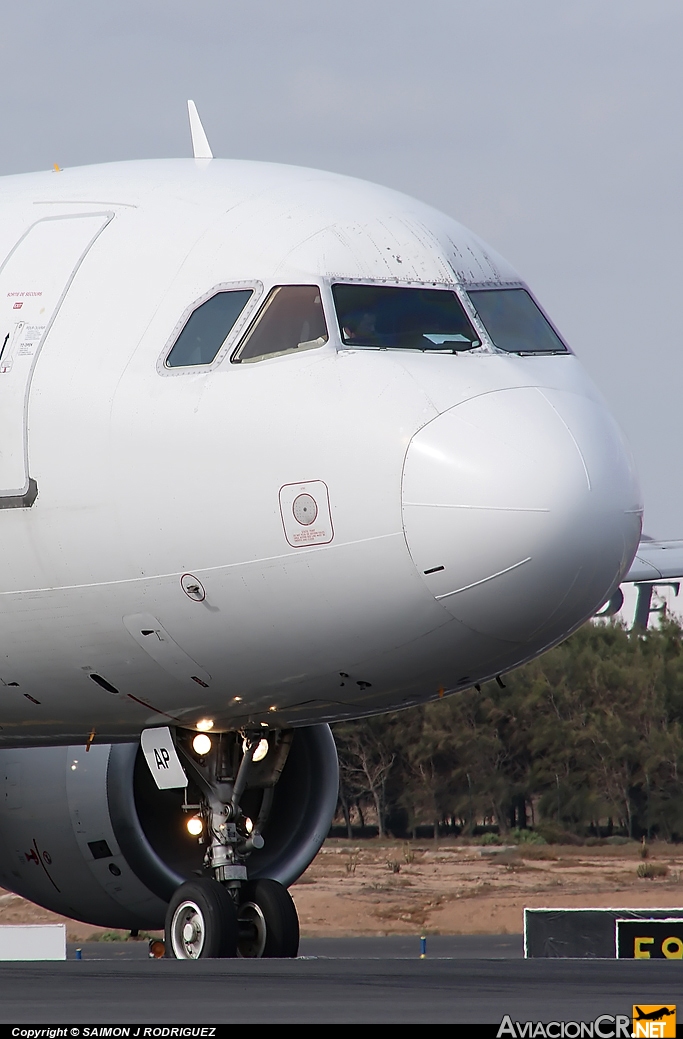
x=200, y=142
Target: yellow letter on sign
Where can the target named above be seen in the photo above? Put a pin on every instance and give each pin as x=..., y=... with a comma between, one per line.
x=639, y=953
x=673, y=948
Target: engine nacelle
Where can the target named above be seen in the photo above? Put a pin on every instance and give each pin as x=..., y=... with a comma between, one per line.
x=90, y=836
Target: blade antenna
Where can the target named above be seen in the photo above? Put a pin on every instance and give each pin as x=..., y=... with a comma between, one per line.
x=200, y=142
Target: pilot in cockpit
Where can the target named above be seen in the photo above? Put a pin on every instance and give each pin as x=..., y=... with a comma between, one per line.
x=360, y=325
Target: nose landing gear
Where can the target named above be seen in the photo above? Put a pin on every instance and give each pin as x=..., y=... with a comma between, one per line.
x=268, y=921
x=228, y=915
x=201, y=921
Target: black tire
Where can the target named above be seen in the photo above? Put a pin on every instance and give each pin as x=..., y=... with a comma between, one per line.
x=201, y=922
x=268, y=921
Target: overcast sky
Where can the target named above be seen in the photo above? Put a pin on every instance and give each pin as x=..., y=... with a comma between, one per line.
x=551, y=129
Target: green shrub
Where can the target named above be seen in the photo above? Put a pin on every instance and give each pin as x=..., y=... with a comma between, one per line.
x=488, y=838
x=652, y=870
x=527, y=837
x=554, y=834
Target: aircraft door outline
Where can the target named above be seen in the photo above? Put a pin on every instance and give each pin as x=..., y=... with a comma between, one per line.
x=35, y=277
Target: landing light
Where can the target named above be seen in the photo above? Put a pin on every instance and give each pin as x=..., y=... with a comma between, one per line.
x=201, y=744
x=248, y=824
x=205, y=724
x=195, y=826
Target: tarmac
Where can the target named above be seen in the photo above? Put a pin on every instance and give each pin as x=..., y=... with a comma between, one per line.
x=462, y=979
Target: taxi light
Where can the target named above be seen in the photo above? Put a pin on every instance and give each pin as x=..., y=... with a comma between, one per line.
x=201, y=744
x=205, y=724
x=195, y=826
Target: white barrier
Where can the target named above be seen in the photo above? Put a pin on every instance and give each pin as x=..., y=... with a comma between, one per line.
x=33, y=942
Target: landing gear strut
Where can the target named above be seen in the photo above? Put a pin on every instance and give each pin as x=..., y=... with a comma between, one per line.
x=226, y=915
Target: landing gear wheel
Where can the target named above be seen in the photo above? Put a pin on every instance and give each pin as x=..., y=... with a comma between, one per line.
x=268, y=921
x=201, y=922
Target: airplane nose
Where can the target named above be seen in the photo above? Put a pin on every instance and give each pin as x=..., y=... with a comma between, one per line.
x=521, y=510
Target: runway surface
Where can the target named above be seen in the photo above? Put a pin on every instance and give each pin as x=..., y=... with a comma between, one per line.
x=450, y=946
x=480, y=979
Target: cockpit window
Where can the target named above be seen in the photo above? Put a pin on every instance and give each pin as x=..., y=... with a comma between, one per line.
x=389, y=317
x=292, y=319
x=207, y=328
x=515, y=323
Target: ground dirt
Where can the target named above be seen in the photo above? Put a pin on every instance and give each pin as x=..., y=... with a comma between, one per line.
x=375, y=887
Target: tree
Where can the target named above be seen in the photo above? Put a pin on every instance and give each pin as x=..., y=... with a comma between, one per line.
x=365, y=763
x=591, y=731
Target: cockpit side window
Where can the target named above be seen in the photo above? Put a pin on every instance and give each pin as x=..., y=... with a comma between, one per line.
x=291, y=320
x=207, y=328
x=515, y=323
x=391, y=317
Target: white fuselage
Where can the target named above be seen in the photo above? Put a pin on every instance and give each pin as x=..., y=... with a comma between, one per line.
x=143, y=499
